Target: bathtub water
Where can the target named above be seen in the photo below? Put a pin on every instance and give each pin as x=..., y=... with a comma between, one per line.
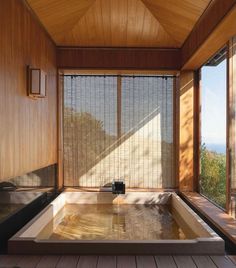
x=117, y=222
x=103, y=223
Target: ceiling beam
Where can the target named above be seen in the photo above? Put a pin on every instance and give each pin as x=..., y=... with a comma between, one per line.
x=215, y=27
x=118, y=58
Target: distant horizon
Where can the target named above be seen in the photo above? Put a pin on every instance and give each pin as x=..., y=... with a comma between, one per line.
x=216, y=147
x=213, y=108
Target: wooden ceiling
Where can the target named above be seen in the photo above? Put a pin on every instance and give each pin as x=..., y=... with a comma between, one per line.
x=119, y=23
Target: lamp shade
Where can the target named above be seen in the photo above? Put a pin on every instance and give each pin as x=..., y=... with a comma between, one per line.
x=36, y=82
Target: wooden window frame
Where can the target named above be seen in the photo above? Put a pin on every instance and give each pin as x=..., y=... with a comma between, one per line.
x=197, y=131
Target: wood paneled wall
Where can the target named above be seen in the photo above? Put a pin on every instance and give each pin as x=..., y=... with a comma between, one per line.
x=186, y=131
x=215, y=27
x=118, y=58
x=28, y=132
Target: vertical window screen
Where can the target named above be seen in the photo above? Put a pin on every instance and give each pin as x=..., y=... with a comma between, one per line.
x=118, y=128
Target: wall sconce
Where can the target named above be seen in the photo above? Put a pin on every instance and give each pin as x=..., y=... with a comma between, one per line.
x=36, y=79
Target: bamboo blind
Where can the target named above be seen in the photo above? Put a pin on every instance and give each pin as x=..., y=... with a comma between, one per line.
x=118, y=128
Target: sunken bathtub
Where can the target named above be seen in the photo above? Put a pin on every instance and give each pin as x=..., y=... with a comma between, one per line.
x=103, y=223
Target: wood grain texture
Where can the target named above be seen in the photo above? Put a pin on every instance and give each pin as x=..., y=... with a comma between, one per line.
x=224, y=222
x=102, y=23
x=9, y=260
x=118, y=23
x=69, y=261
x=28, y=127
x=186, y=132
x=184, y=262
x=59, y=16
x=214, y=14
x=115, y=58
x=60, y=98
x=29, y=261
x=91, y=261
x=213, y=31
x=106, y=262
x=222, y=262
x=87, y=262
x=145, y=261
x=177, y=16
x=126, y=261
x=204, y=261
x=197, y=129
x=48, y=261
x=232, y=258
x=165, y=261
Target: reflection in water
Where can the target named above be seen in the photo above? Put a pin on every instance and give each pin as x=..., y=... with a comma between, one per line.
x=7, y=209
x=114, y=222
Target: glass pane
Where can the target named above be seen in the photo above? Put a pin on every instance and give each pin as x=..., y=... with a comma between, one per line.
x=232, y=140
x=111, y=135
x=90, y=129
x=213, y=132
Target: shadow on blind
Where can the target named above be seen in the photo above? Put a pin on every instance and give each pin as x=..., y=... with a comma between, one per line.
x=118, y=128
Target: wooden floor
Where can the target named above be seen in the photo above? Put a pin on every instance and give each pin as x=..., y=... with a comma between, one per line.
x=69, y=261
x=224, y=222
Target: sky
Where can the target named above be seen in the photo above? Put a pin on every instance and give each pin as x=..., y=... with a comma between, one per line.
x=213, y=98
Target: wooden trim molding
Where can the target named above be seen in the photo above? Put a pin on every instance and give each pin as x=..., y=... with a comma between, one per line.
x=220, y=219
x=118, y=58
x=176, y=129
x=60, y=90
x=186, y=131
x=197, y=130
x=35, y=18
x=215, y=27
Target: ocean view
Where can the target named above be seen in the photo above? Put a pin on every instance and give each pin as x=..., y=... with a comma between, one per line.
x=216, y=147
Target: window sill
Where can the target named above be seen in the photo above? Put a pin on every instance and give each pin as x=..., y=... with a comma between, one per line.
x=224, y=222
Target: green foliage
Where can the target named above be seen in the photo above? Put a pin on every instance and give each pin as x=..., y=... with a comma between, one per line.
x=85, y=140
x=213, y=176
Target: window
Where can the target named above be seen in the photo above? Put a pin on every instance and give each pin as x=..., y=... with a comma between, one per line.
x=213, y=129
x=118, y=128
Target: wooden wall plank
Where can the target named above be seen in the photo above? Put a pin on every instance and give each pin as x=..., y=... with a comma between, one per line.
x=178, y=17
x=209, y=20
x=28, y=127
x=215, y=28
x=115, y=58
x=116, y=23
x=186, y=132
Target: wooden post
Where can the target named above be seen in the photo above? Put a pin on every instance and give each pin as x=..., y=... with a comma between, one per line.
x=119, y=106
x=186, y=132
x=60, y=90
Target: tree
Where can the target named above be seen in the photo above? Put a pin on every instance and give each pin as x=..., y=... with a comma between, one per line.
x=213, y=176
